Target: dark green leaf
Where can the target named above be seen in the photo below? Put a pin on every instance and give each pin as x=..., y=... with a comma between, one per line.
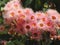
x=10, y=43
x=27, y=2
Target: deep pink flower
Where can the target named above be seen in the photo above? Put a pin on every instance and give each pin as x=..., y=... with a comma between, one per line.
x=2, y=28
x=49, y=24
x=20, y=26
x=52, y=32
x=35, y=34
x=21, y=30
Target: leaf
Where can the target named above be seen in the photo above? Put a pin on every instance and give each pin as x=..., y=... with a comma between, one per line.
x=37, y=4
x=4, y=32
x=1, y=20
x=58, y=31
x=10, y=43
x=2, y=3
x=16, y=42
x=27, y=2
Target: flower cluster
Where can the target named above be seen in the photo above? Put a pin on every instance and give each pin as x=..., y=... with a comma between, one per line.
x=29, y=22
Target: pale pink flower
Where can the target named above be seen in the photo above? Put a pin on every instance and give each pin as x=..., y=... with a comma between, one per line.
x=41, y=25
x=51, y=11
x=53, y=15
x=14, y=4
x=59, y=18
x=9, y=14
x=33, y=24
x=8, y=6
x=28, y=11
x=41, y=16
x=31, y=18
x=19, y=11
x=38, y=15
x=22, y=16
x=57, y=25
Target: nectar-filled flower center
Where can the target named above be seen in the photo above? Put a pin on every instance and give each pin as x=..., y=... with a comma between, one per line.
x=27, y=27
x=12, y=14
x=41, y=25
x=53, y=17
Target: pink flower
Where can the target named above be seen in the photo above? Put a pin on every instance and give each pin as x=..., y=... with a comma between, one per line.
x=33, y=24
x=35, y=34
x=30, y=25
x=20, y=26
x=31, y=18
x=22, y=16
x=12, y=31
x=7, y=21
x=28, y=11
x=57, y=25
x=53, y=15
x=38, y=15
x=20, y=22
x=27, y=27
x=21, y=30
x=19, y=11
x=9, y=14
x=2, y=28
x=41, y=16
x=8, y=6
x=41, y=25
x=49, y=24
x=52, y=32
x=14, y=4
x=59, y=18
x=28, y=21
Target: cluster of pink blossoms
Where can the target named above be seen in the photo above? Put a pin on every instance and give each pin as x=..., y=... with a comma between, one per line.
x=30, y=22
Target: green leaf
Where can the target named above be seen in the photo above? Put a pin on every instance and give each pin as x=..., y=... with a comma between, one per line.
x=1, y=20
x=16, y=42
x=46, y=5
x=10, y=43
x=2, y=8
x=37, y=4
x=4, y=32
x=58, y=31
x=3, y=2
x=27, y=2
